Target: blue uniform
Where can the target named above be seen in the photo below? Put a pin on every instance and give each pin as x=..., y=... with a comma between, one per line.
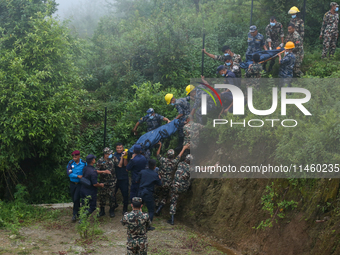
x=227, y=99
x=91, y=174
x=122, y=180
x=73, y=170
x=147, y=179
x=152, y=123
x=254, y=44
x=183, y=107
x=135, y=165
x=287, y=65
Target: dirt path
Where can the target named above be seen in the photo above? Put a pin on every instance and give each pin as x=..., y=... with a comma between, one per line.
x=59, y=236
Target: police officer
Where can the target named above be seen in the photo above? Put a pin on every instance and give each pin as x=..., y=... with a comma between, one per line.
x=275, y=37
x=75, y=173
x=183, y=107
x=298, y=23
x=152, y=119
x=293, y=36
x=287, y=64
x=91, y=174
x=106, y=168
x=136, y=164
x=329, y=30
x=167, y=166
x=122, y=175
x=137, y=224
x=236, y=59
x=147, y=180
x=180, y=185
x=255, y=42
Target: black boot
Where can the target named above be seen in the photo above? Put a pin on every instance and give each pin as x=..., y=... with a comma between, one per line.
x=159, y=209
x=172, y=220
x=102, y=212
x=125, y=209
x=112, y=212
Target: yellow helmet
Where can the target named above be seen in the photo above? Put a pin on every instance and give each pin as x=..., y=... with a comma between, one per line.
x=293, y=10
x=289, y=46
x=168, y=98
x=189, y=88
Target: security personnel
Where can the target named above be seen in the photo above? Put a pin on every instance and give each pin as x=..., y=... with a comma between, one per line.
x=293, y=36
x=75, y=172
x=275, y=37
x=91, y=174
x=136, y=164
x=191, y=133
x=152, y=119
x=255, y=42
x=105, y=167
x=329, y=30
x=183, y=107
x=167, y=166
x=180, y=185
x=236, y=59
x=122, y=175
x=137, y=224
x=298, y=23
x=147, y=180
x=287, y=64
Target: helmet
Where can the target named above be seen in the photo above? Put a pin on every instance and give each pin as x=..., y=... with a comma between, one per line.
x=107, y=150
x=289, y=45
x=189, y=88
x=189, y=157
x=293, y=10
x=150, y=111
x=168, y=98
x=170, y=153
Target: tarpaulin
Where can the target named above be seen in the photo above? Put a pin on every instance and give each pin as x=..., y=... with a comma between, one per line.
x=265, y=55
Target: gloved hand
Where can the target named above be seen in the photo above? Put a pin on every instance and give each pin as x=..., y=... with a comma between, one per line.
x=270, y=48
x=281, y=45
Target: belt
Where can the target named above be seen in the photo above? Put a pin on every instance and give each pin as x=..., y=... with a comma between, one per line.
x=74, y=182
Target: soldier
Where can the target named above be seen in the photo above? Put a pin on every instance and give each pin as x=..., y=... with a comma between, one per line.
x=329, y=30
x=298, y=23
x=147, y=180
x=287, y=64
x=75, y=173
x=236, y=59
x=275, y=37
x=254, y=70
x=191, y=133
x=138, y=223
x=180, y=185
x=107, y=174
x=166, y=168
x=255, y=42
x=294, y=37
x=152, y=119
x=183, y=107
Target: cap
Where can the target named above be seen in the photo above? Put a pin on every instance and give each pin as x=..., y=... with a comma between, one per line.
x=220, y=68
x=137, y=148
x=107, y=150
x=90, y=157
x=150, y=111
x=137, y=199
x=170, y=153
x=75, y=153
x=252, y=29
x=334, y=4
x=189, y=157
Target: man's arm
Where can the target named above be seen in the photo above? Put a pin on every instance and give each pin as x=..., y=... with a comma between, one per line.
x=130, y=165
x=187, y=146
x=208, y=54
x=136, y=126
x=166, y=119
x=159, y=148
x=324, y=23
x=139, y=177
x=179, y=116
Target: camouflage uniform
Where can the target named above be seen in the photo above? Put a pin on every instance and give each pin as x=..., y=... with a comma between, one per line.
x=286, y=69
x=181, y=183
x=298, y=51
x=299, y=26
x=109, y=180
x=153, y=123
x=329, y=31
x=236, y=58
x=166, y=168
x=138, y=222
x=191, y=134
x=254, y=44
x=254, y=72
x=274, y=35
x=197, y=104
x=183, y=107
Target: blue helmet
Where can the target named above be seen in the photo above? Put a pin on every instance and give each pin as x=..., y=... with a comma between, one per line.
x=150, y=111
